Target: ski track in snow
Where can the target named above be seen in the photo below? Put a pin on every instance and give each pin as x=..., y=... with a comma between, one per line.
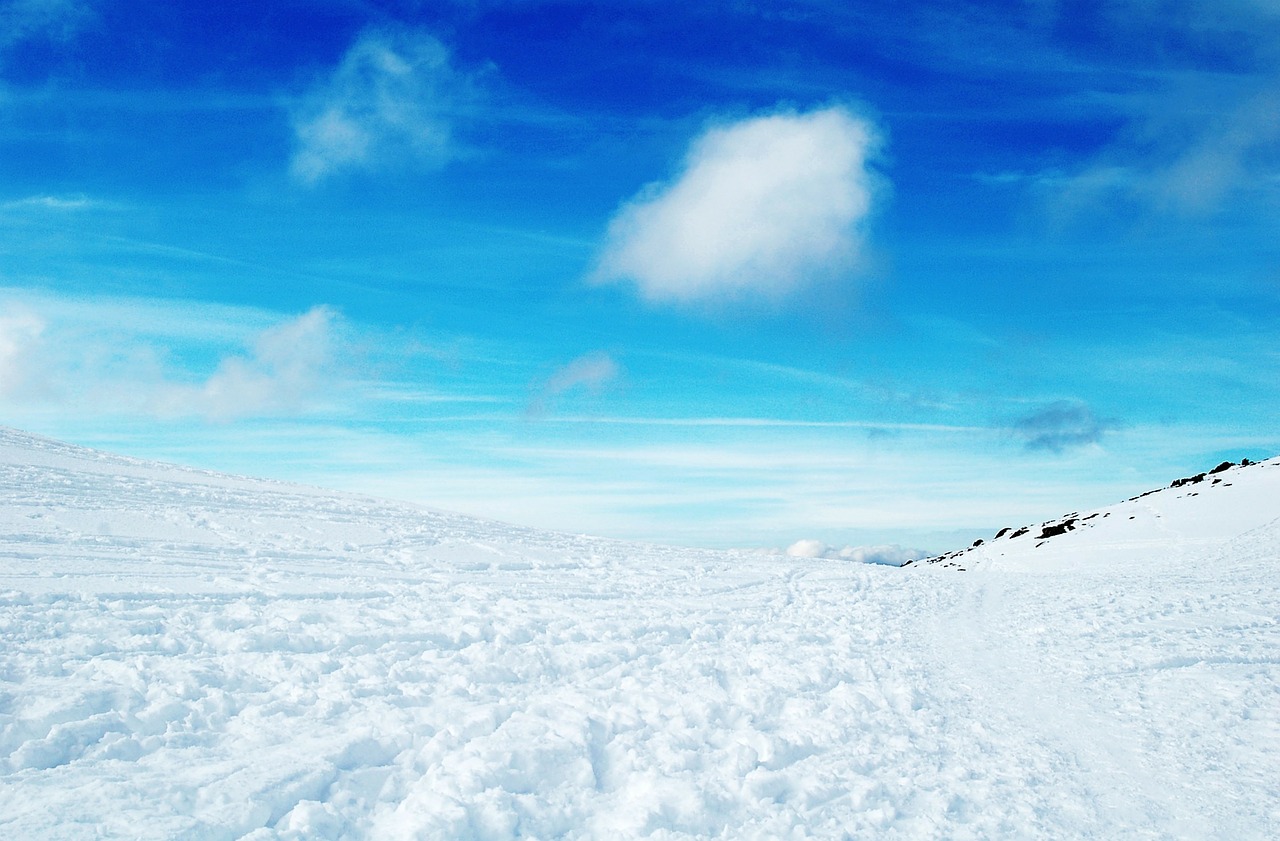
x=188, y=655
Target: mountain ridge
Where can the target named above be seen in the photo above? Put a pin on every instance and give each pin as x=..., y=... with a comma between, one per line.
x=1232, y=499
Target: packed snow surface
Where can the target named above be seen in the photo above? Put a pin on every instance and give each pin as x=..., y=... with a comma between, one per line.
x=189, y=655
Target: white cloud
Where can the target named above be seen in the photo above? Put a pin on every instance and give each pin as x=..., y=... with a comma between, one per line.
x=19, y=332
x=889, y=554
x=387, y=103
x=762, y=207
x=807, y=549
x=289, y=366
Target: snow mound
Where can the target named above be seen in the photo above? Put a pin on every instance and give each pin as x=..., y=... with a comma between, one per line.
x=1199, y=516
x=190, y=655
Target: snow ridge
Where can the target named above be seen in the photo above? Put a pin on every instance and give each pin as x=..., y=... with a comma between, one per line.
x=1207, y=509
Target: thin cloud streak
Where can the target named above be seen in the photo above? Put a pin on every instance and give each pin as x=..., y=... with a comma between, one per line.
x=766, y=422
x=723, y=422
x=56, y=204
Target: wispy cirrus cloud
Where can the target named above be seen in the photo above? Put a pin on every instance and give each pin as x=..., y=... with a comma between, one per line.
x=1190, y=164
x=56, y=204
x=389, y=103
x=761, y=208
x=1198, y=117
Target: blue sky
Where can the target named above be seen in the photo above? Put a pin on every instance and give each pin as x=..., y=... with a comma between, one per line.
x=726, y=274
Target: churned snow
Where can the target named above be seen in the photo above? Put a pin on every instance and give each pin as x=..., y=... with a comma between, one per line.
x=189, y=655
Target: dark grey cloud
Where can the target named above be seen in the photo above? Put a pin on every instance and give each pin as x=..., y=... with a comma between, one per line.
x=1061, y=426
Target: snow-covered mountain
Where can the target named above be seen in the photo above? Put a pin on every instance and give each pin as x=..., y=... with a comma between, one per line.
x=190, y=655
x=1218, y=513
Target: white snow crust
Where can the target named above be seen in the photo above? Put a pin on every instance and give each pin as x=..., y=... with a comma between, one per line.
x=190, y=655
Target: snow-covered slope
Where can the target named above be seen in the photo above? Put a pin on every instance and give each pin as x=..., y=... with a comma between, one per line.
x=1210, y=515
x=187, y=655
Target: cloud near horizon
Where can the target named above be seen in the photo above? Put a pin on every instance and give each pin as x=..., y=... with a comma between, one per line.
x=72, y=359
x=887, y=555
x=288, y=366
x=19, y=332
x=761, y=208
x=386, y=104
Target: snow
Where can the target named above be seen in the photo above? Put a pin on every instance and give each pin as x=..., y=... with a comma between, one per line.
x=1212, y=517
x=189, y=655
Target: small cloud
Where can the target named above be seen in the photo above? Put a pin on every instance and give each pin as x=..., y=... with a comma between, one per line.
x=762, y=207
x=387, y=103
x=886, y=555
x=1061, y=426
x=808, y=549
x=19, y=333
x=591, y=372
x=289, y=365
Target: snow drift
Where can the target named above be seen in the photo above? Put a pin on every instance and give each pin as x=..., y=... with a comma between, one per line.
x=190, y=655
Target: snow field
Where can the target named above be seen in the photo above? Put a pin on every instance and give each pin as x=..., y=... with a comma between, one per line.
x=186, y=655
x=462, y=712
